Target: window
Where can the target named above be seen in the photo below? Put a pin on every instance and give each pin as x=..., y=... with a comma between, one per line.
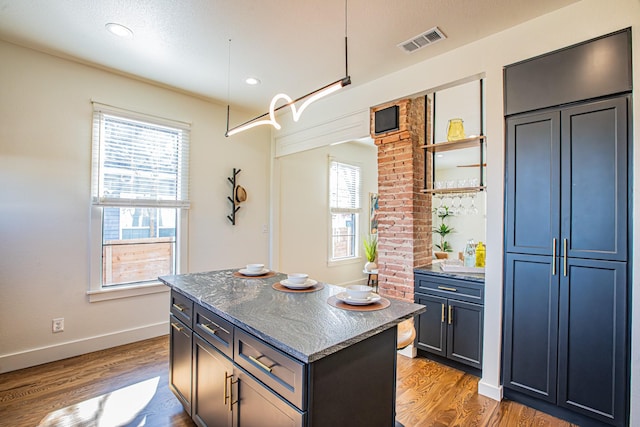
x=140, y=177
x=344, y=204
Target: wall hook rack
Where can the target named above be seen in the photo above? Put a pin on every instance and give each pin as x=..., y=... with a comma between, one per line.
x=238, y=195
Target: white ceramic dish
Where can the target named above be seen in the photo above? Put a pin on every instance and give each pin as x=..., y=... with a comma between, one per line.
x=345, y=298
x=358, y=292
x=255, y=268
x=297, y=278
x=246, y=272
x=306, y=284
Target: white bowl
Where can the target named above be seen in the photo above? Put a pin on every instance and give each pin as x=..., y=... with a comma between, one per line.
x=359, y=292
x=297, y=278
x=255, y=268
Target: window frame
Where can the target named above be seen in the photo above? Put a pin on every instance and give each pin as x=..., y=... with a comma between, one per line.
x=97, y=292
x=357, y=256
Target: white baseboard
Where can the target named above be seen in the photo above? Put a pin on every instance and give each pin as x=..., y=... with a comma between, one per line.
x=409, y=351
x=352, y=282
x=490, y=391
x=38, y=356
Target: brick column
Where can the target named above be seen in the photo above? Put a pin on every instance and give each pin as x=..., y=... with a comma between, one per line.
x=404, y=216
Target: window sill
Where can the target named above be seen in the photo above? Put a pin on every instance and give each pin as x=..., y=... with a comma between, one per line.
x=346, y=261
x=107, y=294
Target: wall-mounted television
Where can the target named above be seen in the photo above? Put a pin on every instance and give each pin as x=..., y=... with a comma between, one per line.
x=387, y=119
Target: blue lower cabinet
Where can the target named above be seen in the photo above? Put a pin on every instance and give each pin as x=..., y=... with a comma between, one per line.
x=565, y=340
x=452, y=325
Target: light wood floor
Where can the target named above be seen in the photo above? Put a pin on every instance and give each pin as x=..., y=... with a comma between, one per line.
x=128, y=386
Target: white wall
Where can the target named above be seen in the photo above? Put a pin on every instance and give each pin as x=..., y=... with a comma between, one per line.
x=573, y=24
x=304, y=220
x=45, y=158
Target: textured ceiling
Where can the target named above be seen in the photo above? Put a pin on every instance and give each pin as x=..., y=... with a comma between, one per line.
x=292, y=46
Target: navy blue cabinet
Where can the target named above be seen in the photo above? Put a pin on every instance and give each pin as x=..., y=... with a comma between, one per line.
x=212, y=382
x=567, y=182
x=593, y=339
x=180, y=337
x=452, y=325
x=530, y=343
x=432, y=326
x=594, y=180
x=566, y=234
x=533, y=190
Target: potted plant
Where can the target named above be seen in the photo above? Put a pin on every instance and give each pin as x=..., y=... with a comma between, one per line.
x=370, y=244
x=443, y=230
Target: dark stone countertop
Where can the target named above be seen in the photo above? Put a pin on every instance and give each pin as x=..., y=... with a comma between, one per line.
x=435, y=270
x=302, y=325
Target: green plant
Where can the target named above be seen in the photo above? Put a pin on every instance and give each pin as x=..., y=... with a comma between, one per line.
x=370, y=244
x=443, y=230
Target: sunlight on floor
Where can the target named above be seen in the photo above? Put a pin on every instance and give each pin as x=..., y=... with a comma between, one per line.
x=120, y=407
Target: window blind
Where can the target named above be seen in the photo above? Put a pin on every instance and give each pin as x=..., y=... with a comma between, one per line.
x=138, y=160
x=344, y=187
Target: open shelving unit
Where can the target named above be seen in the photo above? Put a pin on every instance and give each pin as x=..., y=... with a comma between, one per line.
x=478, y=141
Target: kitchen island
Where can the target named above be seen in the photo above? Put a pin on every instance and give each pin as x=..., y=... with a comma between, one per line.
x=246, y=354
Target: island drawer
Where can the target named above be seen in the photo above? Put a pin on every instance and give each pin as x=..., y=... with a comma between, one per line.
x=182, y=308
x=278, y=371
x=462, y=290
x=215, y=330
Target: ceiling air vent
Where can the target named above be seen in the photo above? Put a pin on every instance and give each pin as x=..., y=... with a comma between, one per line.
x=425, y=39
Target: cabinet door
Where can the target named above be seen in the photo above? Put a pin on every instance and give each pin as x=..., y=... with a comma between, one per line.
x=180, y=338
x=592, y=342
x=531, y=325
x=211, y=395
x=464, y=333
x=257, y=406
x=431, y=324
x=594, y=180
x=532, y=184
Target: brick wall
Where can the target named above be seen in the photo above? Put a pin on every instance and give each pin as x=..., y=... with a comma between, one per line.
x=404, y=216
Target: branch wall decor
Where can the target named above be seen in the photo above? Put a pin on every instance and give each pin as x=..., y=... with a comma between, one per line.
x=238, y=195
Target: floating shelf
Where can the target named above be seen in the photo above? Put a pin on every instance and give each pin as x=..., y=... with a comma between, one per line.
x=455, y=145
x=453, y=190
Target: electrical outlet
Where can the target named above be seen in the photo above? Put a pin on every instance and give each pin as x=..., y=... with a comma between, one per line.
x=57, y=325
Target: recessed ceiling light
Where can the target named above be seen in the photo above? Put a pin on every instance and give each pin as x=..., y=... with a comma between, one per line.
x=119, y=30
x=440, y=156
x=252, y=81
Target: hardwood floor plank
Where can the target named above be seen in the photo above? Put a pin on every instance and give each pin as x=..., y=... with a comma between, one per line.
x=433, y=395
x=80, y=390
x=66, y=384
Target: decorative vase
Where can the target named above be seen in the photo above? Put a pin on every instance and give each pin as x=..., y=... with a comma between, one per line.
x=455, y=130
x=369, y=266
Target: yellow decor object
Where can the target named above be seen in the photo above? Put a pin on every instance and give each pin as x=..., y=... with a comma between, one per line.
x=455, y=130
x=480, y=255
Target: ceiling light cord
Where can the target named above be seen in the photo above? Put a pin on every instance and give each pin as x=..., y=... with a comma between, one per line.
x=269, y=118
x=346, y=44
x=228, y=84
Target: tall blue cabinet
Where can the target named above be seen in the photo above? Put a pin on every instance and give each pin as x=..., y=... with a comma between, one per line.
x=567, y=216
